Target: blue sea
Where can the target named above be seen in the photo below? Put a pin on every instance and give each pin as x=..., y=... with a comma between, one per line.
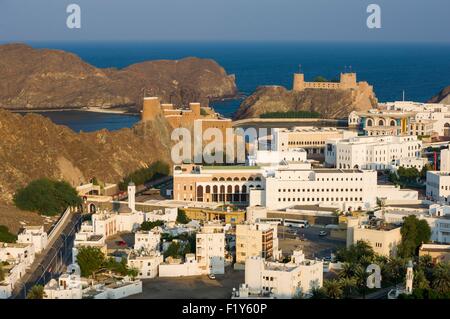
x=421, y=70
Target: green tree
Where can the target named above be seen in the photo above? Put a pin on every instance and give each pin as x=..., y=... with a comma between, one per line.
x=46, y=196
x=6, y=236
x=147, y=225
x=333, y=289
x=349, y=287
x=347, y=271
x=36, y=292
x=441, y=278
x=361, y=279
x=318, y=293
x=420, y=280
x=173, y=250
x=2, y=272
x=182, y=218
x=90, y=260
x=414, y=233
x=361, y=252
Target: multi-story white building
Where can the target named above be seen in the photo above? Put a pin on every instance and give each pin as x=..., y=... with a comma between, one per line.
x=445, y=160
x=375, y=152
x=210, y=249
x=346, y=189
x=145, y=262
x=282, y=280
x=311, y=139
x=35, y=235
x=147, y=240
x=256, y=240
x=438, y=185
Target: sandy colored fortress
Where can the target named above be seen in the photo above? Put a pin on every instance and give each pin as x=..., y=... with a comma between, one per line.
x=183, y=117
x=347, y=81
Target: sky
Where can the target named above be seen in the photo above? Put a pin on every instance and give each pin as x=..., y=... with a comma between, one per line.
x=225, y=20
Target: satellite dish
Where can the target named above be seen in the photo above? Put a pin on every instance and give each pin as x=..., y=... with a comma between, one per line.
x=74, y=269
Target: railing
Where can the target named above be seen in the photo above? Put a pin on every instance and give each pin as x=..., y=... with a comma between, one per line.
x=55, y=229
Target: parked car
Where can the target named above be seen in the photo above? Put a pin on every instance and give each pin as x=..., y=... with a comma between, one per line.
x=322, y=233
x=121, y=243
x=211, y=276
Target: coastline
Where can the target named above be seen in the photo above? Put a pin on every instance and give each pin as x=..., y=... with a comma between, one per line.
x=118, y=111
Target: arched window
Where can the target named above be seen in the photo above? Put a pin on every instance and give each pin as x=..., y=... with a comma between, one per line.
x=222, y=189
x=208, y=189
x=215, y=189
x=214, y=179
x=243, y=179
x=244, y=189
x=381, y=123
x=236, y=179
x=236, y=189
x=221, y=179
x=258, y=179
x=229, y=179
x=250, y=178
x=229, y=189
x=392, y=123
x=369, y=122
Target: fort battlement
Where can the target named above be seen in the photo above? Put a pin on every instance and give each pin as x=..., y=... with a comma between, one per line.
x=347, y=81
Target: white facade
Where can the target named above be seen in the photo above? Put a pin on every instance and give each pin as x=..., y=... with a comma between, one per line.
x=68, y=286
x=445, y=160
x=374, y=152
x=168, y=215
x=210, y=249
x=283, y=280
x=438, y=185
x=177, y=269
x=147, y=240
x=145, y=262
x=269, y=157
x=35, y=235
x=345, y=189
x=17, y=252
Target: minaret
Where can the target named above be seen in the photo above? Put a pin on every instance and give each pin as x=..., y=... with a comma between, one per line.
x=409, y=278
x=132, y=196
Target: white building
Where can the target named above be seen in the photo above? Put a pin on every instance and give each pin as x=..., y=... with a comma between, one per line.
x=35, y=235
x=437, y=216
x=210, y=249
x=283, y=280
x=445, y=160
x=374, y=152
x=87, y=238
x=17, y=252
x=145, y=262
x=176, y=268
x=68, y=286
x=272, y=157
x=13, y=272
x=147, y=240
x=438, y=185
x=168, y=215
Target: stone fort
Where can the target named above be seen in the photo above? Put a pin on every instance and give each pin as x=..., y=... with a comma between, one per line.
x=347, y=81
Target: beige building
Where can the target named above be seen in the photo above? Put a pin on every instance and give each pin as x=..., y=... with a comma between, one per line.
x=225, y=184
x=437, y=252
x=256, y=240
x=383, y=238
x=347, y=81
x=210, y=249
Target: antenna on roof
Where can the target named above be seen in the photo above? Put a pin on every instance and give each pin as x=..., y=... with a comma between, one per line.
x=403, y=95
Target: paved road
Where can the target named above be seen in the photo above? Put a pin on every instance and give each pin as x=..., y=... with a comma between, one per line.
x=51, y=261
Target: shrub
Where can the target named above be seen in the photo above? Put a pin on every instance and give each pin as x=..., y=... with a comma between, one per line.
x=6, y=236
x=140, y=176
x=46, y=196
x=291, y=114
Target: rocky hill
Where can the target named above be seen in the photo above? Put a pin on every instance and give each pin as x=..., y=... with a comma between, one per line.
x=329, y=103
x=31, y=146
x=442, y=97
x=46, y=79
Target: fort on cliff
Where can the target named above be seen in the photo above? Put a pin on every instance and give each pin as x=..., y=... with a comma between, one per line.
x=347, y=81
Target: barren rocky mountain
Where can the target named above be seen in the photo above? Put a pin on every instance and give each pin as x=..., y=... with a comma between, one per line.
x=442, y=97
x=31, y=146
x=43, y=79
x=329, y=103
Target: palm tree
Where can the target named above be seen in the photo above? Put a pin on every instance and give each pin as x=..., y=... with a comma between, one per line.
x=349, y=286
x=36, y=292
x=318, y=293
x=361, y=279
x=441, y=277
x=347, y=271
x=420, y=280
x=333, y=289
